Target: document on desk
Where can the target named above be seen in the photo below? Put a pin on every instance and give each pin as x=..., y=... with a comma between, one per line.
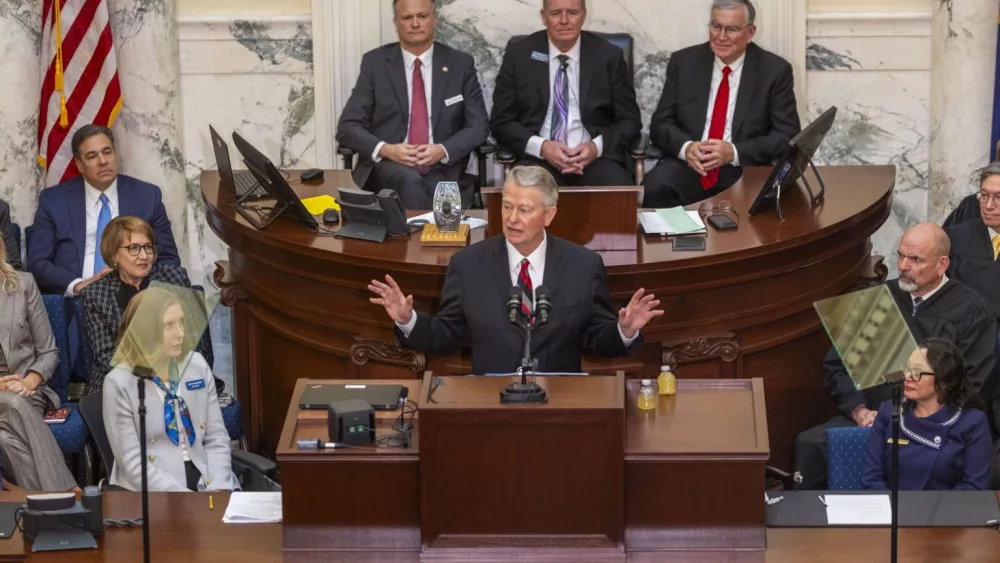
x=672, y=221
x=253, y=508
x=847, y=510
x=472, y=222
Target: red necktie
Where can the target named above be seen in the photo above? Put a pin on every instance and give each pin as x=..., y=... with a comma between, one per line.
x=718, y=128
x=527, y=290
x=419, y=122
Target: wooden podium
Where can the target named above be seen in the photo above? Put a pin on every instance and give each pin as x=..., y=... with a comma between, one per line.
x=585, y=476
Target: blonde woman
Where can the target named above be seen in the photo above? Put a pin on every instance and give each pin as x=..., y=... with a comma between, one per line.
x=188, y=445
x=28, y=358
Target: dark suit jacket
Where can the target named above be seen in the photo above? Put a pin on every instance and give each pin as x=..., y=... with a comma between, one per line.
x=764, y=120
x=379, y=107
x=59, y=234
x=473, y=311
x=102, y=318
x=7, y=231
x=972, y=260
x=607, y=95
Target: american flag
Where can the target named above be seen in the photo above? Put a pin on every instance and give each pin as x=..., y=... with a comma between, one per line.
x=80, y=83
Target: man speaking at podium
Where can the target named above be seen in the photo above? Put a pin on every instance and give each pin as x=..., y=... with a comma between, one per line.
x=480, y=278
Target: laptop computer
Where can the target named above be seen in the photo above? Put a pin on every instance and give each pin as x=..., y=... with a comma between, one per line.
x=243, y=184
x=380, y=397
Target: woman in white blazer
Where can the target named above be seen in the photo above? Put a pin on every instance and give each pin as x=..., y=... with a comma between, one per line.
x=188, y=445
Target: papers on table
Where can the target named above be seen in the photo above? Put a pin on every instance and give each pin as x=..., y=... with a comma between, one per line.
x=472, y=222
x=857, y=509
x=318, y=204
x=672, y=221
x=253, y=508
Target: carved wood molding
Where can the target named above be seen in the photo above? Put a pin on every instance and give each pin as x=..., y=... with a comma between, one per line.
x=875, y=274
x=230, y=292
x=722, y=345
x=363, y=350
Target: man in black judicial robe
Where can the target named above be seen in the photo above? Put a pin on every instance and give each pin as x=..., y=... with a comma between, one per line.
x=975, y=243
x=933, y=305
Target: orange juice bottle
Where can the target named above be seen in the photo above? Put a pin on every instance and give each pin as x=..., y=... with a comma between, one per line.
x=647, y=395
x=666, y=381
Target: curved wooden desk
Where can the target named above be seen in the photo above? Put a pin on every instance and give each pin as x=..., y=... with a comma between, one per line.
x=743, y=308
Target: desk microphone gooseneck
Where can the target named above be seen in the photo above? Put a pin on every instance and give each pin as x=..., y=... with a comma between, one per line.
x=527, y=391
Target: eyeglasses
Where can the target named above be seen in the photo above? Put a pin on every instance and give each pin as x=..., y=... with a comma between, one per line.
x=915, y=374
x=133, y=249
x=724, y=207
x=717, y=29
x=986, y=197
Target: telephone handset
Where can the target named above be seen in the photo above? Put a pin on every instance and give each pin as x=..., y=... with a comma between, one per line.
x=395, y=213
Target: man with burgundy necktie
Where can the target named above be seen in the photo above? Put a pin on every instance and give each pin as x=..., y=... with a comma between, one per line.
x=416, y=112
x=564, y=100
x=726, y=104
x=480, y=279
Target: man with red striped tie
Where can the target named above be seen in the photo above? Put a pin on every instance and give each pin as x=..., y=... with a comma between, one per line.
x=481, y=278
x=725, y=104
x=416, y=112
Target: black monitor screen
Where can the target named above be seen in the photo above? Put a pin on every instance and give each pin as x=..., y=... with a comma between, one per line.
x=795, y=159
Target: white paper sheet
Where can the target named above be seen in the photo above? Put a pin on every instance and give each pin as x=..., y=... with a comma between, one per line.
x=653, y=224
x=253, y=508
x=472, y=222
x=858, y=509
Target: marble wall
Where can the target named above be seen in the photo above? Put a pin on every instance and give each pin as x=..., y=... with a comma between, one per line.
x=876, y=69
x=253, y=76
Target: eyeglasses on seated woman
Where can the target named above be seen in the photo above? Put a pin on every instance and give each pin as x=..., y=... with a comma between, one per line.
x=187, y=442
x=944, y=440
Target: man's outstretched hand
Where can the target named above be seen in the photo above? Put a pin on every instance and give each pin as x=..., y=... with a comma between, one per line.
x=399, y=306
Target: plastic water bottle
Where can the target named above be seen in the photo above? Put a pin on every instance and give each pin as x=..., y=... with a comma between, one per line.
x=666, y=381
x=647, y=395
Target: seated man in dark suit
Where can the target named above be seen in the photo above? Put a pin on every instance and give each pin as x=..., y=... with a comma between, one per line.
x=416, y=112
x=975, y=244
x=480, y=279
x=63, y=248
x=708, y=127
x=565, y=100
x=7, y=231
x=933, y=306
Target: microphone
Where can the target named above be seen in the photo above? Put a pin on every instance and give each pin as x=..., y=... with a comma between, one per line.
x=514, y=305
x=542, y=305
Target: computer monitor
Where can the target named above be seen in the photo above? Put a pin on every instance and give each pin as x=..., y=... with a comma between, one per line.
x=222, y=160
x=274, y=183
x=792, y=164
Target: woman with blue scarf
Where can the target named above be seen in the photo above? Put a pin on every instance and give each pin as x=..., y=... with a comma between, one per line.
x=187, y=445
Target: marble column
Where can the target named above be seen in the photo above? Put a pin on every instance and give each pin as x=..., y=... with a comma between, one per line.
x=20, y=49
x=963, y=62
x=148, y=130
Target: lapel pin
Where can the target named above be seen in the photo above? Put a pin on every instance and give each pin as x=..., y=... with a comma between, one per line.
x=444, y=69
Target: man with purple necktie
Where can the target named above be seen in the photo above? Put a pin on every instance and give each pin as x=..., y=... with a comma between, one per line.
x=416, y=112
x=564, y=100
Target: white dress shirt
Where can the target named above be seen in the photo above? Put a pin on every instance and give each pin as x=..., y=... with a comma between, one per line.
x=536, y=271
x=92, y=199
x=926, y=296
x=426, y=71
x=576, y=133
x=993, y=234
x=736, y=72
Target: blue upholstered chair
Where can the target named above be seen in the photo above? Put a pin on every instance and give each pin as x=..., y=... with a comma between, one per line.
x=845, y=457
x=72, y=434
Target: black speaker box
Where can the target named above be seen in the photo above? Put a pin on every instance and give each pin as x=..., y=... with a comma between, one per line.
x=352, y=422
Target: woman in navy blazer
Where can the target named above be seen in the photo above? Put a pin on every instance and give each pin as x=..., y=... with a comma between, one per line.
x=944, y=439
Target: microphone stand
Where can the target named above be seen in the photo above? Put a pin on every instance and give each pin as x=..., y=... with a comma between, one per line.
x=525, y=391
x=897, y=393
x=142, y=374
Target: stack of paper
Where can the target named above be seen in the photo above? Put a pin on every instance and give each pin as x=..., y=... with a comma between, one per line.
x=253, y=508
x=672, y=221
x=472, y=222
x=855, y=510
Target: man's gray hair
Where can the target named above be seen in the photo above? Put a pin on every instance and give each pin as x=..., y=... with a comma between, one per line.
x=535, y=177
x=733, y=4
x=992, y=169
x=545, y=4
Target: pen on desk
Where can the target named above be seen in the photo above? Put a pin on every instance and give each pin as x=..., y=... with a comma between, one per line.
x=211, y=505
x=821, y=499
